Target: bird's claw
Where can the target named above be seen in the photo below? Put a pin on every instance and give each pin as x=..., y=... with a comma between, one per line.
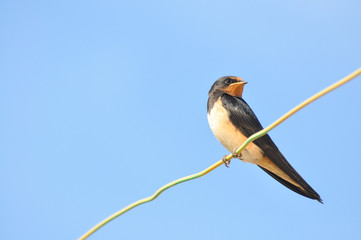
x=226, y=161
x=235, y=155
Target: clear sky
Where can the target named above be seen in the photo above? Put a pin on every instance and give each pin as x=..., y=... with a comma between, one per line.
x=103, y=102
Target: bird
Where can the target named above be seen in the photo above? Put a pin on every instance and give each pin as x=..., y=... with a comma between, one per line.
x=232, y=121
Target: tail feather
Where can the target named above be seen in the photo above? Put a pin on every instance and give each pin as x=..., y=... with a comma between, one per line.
x=307, y=190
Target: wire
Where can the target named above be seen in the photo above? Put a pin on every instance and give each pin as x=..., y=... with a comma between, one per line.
x=229, y=157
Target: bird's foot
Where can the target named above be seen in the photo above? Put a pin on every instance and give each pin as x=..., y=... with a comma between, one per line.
x=225, y=161
x=235, y=155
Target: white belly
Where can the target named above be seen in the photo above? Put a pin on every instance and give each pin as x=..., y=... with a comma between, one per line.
x=228, y=135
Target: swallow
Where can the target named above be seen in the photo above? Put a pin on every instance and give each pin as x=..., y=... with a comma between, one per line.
x=233, y=121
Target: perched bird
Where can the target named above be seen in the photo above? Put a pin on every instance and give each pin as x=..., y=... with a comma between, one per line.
x=233, y=121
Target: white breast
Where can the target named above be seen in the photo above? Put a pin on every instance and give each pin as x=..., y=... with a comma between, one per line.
x=228, y=135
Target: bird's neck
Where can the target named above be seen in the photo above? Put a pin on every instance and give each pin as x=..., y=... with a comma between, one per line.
x=213, y=97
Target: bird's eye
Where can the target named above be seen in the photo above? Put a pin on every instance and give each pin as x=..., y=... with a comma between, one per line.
x=228, y=81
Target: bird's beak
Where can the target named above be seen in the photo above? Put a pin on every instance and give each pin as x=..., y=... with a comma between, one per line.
x=236, y=89
x=238, y=84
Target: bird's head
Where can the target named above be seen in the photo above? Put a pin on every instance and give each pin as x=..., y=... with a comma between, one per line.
x=228, y=84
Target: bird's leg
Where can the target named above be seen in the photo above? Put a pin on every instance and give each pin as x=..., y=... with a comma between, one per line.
x=234, y=154
x=225, y=161
x=239, y=155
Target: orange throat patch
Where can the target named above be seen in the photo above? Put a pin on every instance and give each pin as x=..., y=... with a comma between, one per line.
x=235, y=89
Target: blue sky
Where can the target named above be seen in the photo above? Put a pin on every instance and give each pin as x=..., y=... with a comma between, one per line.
x=103, y=102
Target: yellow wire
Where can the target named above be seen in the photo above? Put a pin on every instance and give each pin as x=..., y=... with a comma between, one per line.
x=230, y=156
